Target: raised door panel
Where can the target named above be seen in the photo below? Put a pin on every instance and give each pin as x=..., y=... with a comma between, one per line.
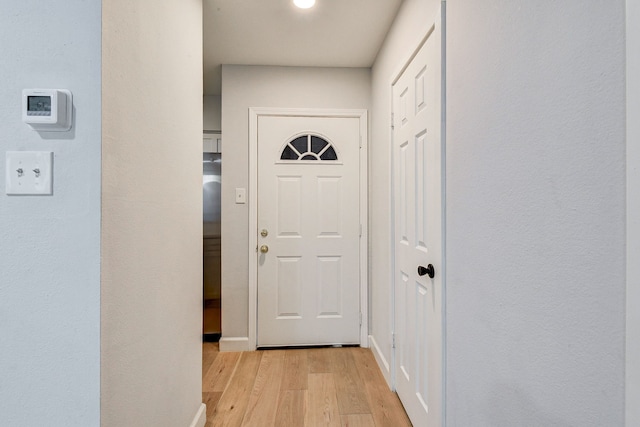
x=289, y=206
x=329, y=206
x=330, y=286
x=289, y=288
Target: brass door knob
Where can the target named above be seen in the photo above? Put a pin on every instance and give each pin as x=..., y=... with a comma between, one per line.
x=264, y=249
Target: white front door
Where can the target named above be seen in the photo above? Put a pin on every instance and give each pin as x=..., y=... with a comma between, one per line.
x=417, y=109
x=308, y=230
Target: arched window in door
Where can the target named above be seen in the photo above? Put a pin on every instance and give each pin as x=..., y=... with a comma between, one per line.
x=308, y=147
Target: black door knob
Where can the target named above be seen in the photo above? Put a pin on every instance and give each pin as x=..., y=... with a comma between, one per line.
x=428, y=270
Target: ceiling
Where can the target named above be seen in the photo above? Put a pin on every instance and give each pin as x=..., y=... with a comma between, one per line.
x=334, y=33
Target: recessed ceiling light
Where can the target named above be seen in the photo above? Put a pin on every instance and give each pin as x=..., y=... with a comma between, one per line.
x=304, y=4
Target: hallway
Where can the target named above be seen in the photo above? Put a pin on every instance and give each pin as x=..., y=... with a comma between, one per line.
x=296, y=387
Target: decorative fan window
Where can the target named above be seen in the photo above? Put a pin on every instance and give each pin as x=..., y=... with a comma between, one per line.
x=308, y=147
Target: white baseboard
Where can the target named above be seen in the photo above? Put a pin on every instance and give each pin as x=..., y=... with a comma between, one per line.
x=201, y=417
x=235, y=344
x=382, y=361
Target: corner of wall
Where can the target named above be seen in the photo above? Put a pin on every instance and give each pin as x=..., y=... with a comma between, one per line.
x=200, y=419
x=151, y=278
x=632, y=380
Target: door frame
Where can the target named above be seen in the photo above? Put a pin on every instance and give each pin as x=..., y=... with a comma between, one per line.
x=254, y=114
x=632, y=348
x=426, y=32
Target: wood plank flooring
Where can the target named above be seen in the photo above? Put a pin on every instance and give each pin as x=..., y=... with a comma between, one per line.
x=298, y=387
x=211, y=317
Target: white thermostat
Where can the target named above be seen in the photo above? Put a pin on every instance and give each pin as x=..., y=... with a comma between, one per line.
x=47, y=109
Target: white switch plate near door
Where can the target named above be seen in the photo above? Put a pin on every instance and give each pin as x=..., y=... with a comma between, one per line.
x=29, y=173
x=241, y=196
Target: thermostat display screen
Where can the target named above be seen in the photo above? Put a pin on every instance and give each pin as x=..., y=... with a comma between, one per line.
x=39, y=106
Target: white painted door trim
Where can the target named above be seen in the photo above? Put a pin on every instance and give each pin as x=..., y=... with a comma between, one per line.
x=254, y=113
x=395, y=77
x=632, y=371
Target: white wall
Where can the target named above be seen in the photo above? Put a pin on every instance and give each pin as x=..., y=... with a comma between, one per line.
x=409, y=28
x=50, y=245
x=633, y=215
x=256, y=86
x=152, y=213
x=212, y=106
x=535, y=213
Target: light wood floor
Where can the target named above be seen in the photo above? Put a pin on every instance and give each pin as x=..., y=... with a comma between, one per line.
x=298, y=387
x=211, y=317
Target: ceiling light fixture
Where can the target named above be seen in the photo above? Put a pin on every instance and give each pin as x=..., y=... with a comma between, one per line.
x=304, y=4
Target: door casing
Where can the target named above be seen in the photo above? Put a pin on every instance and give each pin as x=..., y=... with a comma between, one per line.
x=254, y=113
x=632, y=349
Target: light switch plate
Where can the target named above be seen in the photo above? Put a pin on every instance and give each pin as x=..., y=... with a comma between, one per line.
x=29, y=173
x=241, y=196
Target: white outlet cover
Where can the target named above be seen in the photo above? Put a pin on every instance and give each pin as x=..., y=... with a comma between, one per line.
x=29, y=173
